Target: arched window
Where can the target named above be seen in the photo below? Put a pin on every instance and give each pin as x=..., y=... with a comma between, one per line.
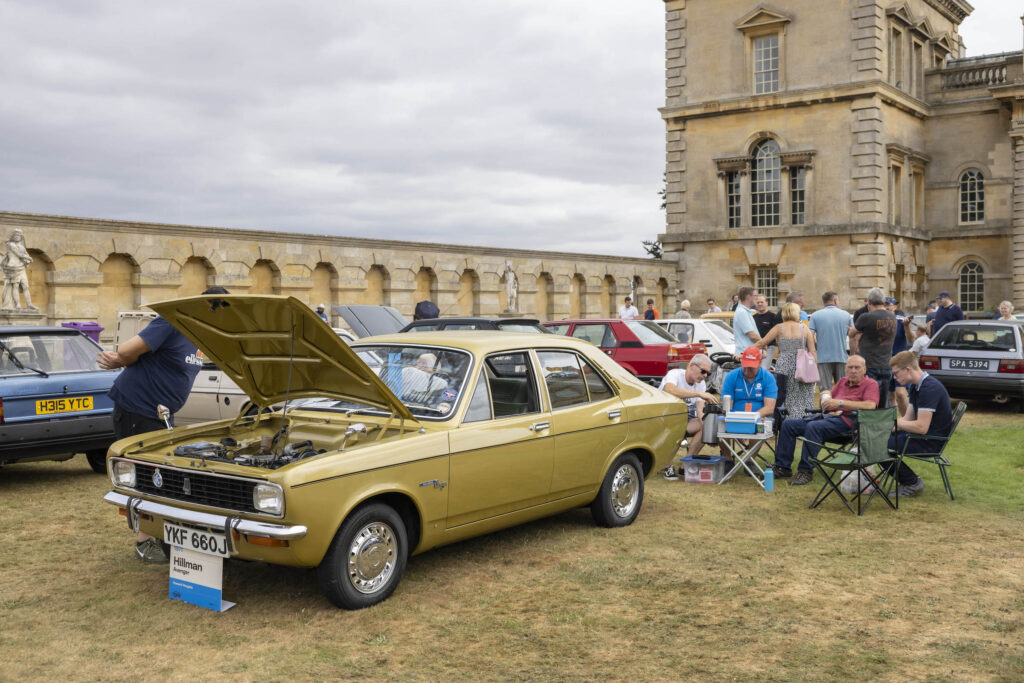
x=765, y=184
x=972, y=197
x=972, y=287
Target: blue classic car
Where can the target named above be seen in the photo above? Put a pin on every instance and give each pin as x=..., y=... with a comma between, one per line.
x=54, y=398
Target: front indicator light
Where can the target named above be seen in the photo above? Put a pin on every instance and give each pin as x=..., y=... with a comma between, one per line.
x=122, y=474
x=269, y=498
x=264, y=541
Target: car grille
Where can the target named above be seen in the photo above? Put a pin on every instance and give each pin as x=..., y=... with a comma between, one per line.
x=202, y=489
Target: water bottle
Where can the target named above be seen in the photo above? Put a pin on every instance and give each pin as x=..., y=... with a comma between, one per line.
x=769, y=479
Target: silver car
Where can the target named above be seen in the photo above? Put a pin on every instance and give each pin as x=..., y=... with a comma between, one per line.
x=978, y=359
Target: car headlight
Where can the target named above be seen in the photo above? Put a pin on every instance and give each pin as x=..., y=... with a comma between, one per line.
x=268, y=498
x=123, y=474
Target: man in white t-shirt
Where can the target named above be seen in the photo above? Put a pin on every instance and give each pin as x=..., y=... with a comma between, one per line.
x=921, y=341
x=690, y=385
x=628, y=311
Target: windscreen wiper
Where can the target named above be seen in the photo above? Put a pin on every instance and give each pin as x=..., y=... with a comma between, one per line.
x=18, y=364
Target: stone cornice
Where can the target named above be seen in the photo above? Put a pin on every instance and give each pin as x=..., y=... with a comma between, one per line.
x=800, y=98
x=11, y=219
x=789, y=232
x=954, y=10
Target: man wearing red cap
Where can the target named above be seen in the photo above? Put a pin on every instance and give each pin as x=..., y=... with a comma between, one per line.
x=751, y=387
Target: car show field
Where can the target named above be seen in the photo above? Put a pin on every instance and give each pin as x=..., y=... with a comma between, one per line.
x=711, y=582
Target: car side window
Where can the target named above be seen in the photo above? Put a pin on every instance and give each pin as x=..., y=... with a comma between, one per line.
x=682, y=331
x=596, y=384
x=462, y=326
x=480, y=405
x=510, y=379
x=558, y=329
x=429, y=327
x=597, y=334
x=563, y=378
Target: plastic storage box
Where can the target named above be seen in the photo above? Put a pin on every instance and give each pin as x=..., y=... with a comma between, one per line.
x=739, y=422
x=702, y=470
x=89, y=329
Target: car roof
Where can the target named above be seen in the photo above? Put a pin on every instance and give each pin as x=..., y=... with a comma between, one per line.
x=985, y=323
x=478, y=341
x=563, y=321
x=473, y=319
x=29, y=329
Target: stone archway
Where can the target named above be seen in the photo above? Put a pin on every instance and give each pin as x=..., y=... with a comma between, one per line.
x=377, y=292
x=577, y=286
x=608, y=302
x=468, y=302
x=117, y=292
x=196, y=275
x=426, y=286
x=264, y=278
x=543, y=298
x=325, y=283
x=39, y=284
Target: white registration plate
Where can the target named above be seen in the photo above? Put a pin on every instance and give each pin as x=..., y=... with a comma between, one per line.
x=968, y=364
x=193, y=539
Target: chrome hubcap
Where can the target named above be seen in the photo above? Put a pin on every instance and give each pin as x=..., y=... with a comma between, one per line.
x=625, y=490
x=371, y=557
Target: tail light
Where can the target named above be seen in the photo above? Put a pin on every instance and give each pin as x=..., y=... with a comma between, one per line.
x=928, y=363
x=1012, y=367
x=1, y=411
x=673, y=354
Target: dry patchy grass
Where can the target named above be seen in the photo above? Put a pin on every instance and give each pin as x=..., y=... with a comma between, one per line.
x=710, y=583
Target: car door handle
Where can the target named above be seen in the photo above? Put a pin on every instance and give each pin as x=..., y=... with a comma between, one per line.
x=614, y=414
x=538, y=426
x=705, y=341
x=213, y=378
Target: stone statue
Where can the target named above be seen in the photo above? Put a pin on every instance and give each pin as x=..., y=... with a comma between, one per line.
x=632, y=289
x=14, y=263
x=511, y=288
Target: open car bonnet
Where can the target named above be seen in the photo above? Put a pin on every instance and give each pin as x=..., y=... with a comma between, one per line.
x=274, y=347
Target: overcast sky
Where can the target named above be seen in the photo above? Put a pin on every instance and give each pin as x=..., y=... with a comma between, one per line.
x=528, y=124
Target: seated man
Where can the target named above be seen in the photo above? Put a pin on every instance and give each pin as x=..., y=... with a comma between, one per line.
x=689, y=384
x=751, y=388
x=852, y=392
x=929, y=413
x=419, y=382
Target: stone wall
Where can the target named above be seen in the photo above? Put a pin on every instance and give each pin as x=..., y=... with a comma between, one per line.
x=89, y=269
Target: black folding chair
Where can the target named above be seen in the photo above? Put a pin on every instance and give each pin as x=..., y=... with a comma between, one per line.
x=936, y=445
x=870, y=447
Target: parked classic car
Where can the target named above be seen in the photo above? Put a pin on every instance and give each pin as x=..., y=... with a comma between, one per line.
x=390, y=447
x=978, y=359
x=54, y=398
x=644, y=349
x=715, y=335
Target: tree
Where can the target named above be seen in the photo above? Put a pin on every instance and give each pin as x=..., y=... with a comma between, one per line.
x=663, y=192
x=652, y=247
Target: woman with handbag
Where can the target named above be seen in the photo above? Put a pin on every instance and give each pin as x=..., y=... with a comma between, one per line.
x=797, y=356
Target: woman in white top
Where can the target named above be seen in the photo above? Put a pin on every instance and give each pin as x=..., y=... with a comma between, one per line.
x=1005, y=311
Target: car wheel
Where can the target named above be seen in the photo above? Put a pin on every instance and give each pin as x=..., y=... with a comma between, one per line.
x=97, y=460
x=366, y=559
x=621, y=495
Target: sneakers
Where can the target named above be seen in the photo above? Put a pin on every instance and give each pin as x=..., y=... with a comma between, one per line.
x=802, y=478
x=151, y=552
x=910, y=490
x=670, y=473
x=782, y=472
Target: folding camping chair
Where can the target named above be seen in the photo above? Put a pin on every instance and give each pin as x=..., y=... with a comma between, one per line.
x=870, y=447
x=934, y=445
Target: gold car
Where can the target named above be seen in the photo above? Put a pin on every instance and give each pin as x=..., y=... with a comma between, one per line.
x=350, y=459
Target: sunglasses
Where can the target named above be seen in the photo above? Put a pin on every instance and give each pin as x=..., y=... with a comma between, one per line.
x=703, y=371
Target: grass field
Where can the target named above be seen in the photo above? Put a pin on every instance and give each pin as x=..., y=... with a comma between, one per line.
x=710, y=583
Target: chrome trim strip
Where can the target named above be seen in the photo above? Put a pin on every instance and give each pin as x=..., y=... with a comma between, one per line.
x=244, y=526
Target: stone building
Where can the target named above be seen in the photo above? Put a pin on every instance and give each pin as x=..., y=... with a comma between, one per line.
x=843, y=144
x=89, y=270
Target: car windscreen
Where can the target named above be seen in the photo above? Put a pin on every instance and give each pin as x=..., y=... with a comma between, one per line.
x=523, y=327
x=35, y=352
x=721, y=331
x=975, y=338
x=428, y=380
x=649, y=333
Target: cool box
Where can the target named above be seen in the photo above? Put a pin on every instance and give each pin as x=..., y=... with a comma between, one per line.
x=739, y=422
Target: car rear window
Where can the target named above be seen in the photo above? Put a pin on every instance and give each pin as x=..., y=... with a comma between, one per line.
x=648, y=332
x=522, y=327
x=975, y=338
x=22, y=354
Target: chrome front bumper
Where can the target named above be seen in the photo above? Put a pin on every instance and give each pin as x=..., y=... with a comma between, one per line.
x=206, y=519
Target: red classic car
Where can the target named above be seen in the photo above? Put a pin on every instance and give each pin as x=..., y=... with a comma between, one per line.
x=640, y=346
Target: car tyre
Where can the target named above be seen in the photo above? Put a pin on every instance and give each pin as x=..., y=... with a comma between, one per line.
x=622, y=493
x=97, y=460
x=366, y=559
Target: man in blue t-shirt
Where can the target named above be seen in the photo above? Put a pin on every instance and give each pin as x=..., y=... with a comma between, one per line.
x=928, y=413
x=744, y=328
x=751, y=388
x=160, y=365
x=831, y=325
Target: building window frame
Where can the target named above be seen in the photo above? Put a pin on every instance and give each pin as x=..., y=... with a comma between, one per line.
x=765, y=46
x=971, y=286
x=766, y=185
x=971, y=197
x=733, y=199
x=766, y=282
x=798, y=195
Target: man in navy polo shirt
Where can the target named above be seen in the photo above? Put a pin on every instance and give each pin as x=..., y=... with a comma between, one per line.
x=928, y=413
x=160, y=365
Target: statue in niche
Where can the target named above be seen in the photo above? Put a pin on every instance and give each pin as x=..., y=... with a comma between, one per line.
x=14, y=264
x=511, y=288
